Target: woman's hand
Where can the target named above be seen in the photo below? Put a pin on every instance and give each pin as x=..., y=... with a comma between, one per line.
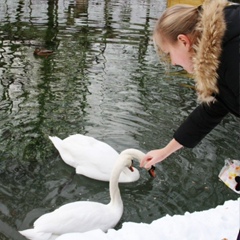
x=153, y=157
x=158, y=155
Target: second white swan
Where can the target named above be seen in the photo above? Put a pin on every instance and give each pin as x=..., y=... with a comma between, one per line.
x=91, y=157
x=83, y=216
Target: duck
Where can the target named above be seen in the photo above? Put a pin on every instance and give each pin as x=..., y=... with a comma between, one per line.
x=92, y=158
x=84, y=216
x=42, y=52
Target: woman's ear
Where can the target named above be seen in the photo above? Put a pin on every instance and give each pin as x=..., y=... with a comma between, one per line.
x=184, y=39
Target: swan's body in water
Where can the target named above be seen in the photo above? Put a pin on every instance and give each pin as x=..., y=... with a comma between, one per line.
x=83, y=216
x=91, y=157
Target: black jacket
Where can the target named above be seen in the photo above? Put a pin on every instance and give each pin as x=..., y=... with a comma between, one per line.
x=205, y=117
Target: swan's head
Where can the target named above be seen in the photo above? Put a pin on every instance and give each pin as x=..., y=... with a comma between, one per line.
x=151, y=170
x=130, y=154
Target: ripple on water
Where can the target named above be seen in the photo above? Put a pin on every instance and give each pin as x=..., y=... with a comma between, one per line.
x=103, y=80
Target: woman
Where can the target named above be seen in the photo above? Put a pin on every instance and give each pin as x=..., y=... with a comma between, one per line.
x=205, y=41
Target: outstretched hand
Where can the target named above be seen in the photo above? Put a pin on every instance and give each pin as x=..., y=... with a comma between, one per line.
x=153, y=157
x=158, y=155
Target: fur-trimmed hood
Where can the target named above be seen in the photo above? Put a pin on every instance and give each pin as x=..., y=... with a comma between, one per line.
x=208, y=49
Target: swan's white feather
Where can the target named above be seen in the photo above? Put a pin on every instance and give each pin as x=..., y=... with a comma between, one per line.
x=91, y=157
x=83, y=216
x=34, y=234
x=79, y=216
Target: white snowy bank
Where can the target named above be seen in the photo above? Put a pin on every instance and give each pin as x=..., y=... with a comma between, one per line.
x=220, y=223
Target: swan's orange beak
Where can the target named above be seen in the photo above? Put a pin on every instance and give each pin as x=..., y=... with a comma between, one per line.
x=131, y=167
x=151, y=171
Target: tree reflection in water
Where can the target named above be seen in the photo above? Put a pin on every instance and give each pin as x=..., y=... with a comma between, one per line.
x=103, y=80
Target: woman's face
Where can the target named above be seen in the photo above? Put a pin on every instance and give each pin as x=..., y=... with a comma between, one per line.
x=180, y=52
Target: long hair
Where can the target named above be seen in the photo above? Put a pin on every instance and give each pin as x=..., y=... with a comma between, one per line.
x=178, y=19
x=205, y=26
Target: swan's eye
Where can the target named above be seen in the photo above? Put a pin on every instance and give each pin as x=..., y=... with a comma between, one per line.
x=151, y=171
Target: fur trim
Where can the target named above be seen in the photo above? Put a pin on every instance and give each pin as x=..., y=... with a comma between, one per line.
x=208, y=49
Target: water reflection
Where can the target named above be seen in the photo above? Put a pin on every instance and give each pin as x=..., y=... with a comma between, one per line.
x=103, y=80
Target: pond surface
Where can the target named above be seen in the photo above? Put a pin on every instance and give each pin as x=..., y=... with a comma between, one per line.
x=103, y=80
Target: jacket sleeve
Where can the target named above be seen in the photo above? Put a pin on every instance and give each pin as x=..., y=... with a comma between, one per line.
x=199, y=123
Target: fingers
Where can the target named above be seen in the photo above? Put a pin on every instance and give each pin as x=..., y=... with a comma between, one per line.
x=145, y=160
x=148, y=164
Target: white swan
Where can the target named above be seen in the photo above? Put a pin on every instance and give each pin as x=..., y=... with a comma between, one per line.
x=83, y=216
x=91, y=157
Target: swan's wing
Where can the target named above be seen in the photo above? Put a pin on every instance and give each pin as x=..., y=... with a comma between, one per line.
x=78, y=149
x=79, y=217
x=87, y=141
x=87, y=150
x=99, y=160
x=91, y=157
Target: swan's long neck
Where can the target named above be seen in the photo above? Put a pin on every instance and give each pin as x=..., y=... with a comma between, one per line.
x=134, y=153
x=113, y=183
x=123, y=160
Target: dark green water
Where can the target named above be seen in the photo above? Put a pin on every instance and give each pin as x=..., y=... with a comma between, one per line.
x=103, y=80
